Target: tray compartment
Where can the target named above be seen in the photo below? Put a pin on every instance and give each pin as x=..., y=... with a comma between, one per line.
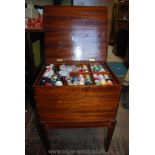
x=74, y=75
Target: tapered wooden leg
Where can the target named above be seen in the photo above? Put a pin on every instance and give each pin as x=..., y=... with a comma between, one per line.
x=43, y=136
x=109, y=135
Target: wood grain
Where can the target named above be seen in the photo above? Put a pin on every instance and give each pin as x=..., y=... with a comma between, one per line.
x=75, y=33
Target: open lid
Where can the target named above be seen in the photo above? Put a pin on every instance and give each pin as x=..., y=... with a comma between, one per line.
x=75, y=33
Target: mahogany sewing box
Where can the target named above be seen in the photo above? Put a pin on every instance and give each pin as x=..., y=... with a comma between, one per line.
x=76, y=35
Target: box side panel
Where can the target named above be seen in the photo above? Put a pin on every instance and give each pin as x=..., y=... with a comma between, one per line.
x=77, y=104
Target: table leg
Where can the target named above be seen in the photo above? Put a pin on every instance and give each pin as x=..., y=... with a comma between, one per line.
x=109, y=135
x=43, y=136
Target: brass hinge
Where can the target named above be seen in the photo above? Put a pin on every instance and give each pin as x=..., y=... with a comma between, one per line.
x=59, y=60
x=92, y=60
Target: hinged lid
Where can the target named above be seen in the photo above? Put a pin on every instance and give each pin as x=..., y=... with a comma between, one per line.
x=75, y=33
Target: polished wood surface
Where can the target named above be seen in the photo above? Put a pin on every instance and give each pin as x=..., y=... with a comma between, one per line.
x=75, y=33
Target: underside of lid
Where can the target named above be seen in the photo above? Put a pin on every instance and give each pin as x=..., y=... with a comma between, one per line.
x=75, y=33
